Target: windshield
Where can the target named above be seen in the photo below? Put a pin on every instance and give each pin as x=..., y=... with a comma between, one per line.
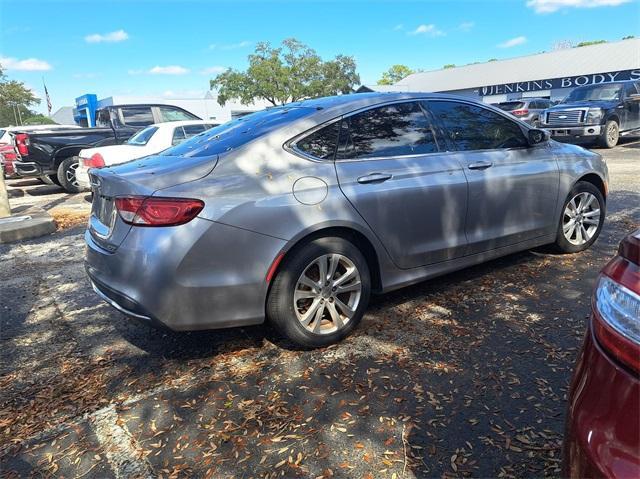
x=143, y=136
x=595, y=93
x=238, y=132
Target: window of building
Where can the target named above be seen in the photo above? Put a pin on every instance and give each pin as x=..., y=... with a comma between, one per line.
x=471, y=127
x=394, y=130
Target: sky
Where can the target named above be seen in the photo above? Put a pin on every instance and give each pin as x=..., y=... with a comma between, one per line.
x=172, y=48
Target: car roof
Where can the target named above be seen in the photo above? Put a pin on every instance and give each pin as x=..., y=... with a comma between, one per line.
x=166, y=124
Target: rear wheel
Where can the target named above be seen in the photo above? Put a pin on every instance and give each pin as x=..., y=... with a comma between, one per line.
x=320, y=293
x=611, y=134
x=67, y=174
x=582, y=218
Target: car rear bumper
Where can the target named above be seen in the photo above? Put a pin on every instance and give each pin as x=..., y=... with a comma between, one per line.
x=202, y=275
x=602, y=436
x=569, y=132
x=30, y=169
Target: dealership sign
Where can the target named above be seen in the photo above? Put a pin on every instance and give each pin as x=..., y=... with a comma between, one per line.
x=564, y=82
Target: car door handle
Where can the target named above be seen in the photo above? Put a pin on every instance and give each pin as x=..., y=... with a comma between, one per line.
x=374, y=178
x=480, y=165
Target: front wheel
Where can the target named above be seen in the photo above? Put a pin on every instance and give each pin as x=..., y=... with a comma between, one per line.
x=582, y=218
x=67, y=174
x=610, y=136
x=320, y=293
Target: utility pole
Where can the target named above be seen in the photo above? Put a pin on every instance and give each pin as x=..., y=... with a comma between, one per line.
x=5, y=209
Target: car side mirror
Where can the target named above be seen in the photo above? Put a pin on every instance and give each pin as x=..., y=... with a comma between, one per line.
x=537, y=136
x=634, y=97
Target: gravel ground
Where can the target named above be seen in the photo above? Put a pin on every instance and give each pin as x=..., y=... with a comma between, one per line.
x=461, y=376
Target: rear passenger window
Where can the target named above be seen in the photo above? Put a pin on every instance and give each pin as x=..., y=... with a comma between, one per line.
x=471, y=127
x=321, y=143
x=393, y=130
x=137, y=115
x=178, y=136
x=193, y=130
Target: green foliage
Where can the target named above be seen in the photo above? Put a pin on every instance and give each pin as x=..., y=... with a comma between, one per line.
x=395, y=74
x=492, y=60
x=592, y=42
x=15, y=100
x=288, y=73
x=628, y=37
x=449, y=65
x=39, y=119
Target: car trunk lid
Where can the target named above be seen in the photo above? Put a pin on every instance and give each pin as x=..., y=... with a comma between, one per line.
x=137, y=178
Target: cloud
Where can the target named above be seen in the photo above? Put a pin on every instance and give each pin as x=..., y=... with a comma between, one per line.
x=27, y=65
x=112, y=37
x=550, y=6
x=87, y=75
x=429, y=30
x=466, y=26
x=168, y=70
x=229, y=46
x=213, y=70
x=513, y=42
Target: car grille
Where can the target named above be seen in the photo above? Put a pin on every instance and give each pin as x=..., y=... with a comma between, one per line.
x=568, y=117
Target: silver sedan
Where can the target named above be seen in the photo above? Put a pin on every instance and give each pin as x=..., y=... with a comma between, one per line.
x=296, y=214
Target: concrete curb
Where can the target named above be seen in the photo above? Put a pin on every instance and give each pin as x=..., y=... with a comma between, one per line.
x=28, y=223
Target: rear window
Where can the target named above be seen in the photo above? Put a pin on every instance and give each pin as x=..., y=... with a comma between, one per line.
x=510, y=105
x=238, y=132
x=143, y=136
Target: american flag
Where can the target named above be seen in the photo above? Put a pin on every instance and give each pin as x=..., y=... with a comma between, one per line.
x=46, y=94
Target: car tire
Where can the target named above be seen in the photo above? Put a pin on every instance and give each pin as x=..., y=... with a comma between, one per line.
x=610, y=136
x=67, y=174
x=317, y=316
x=581, y=220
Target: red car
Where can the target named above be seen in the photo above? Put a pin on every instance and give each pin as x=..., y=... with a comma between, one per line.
x=603, y=424
x=7, y=157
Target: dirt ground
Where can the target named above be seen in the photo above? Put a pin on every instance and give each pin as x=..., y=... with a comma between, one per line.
x=462, y=376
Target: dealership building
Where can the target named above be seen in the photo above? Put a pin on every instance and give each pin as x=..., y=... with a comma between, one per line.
x=546, y=75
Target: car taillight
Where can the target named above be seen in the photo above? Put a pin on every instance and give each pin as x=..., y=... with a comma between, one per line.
x=96, y=161
x=617, y=305
x=157, y=211
x=22, y=143
x=520, y=112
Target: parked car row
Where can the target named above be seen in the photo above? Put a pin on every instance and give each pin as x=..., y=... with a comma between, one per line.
x=600, y=113
x=150, y=140
x=53, y=155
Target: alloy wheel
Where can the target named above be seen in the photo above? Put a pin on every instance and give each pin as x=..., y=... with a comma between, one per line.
x=581, y=218
x=612, y=133
x=70, y=174
x=327, y=294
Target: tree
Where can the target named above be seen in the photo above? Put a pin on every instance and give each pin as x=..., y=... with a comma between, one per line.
x=395, y=74
x=628, y=37
x=449, y=65
x=15, y=100
x=291, y=72
x=592, y=42
x=38, y=119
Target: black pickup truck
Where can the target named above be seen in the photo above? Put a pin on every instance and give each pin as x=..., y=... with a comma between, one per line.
x=53, y=156
x=596, y=113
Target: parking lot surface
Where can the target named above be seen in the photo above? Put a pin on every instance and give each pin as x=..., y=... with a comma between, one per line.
x=465, y=375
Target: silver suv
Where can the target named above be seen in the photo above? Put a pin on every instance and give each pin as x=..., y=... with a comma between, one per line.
x=526, y=109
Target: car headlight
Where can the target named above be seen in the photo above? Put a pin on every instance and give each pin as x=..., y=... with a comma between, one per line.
x=594, y=115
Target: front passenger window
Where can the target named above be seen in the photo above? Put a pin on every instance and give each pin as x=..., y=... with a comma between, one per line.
x=471, y=127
